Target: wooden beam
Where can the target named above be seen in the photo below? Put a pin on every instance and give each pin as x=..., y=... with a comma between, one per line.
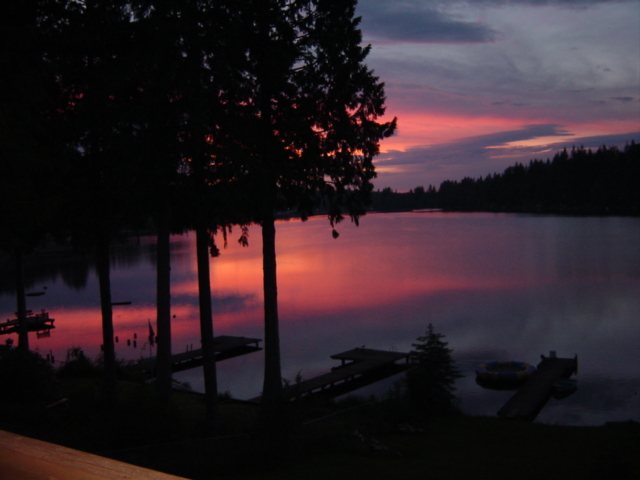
x=23, y=458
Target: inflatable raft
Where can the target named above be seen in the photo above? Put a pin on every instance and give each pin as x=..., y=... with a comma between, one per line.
x=505, y=371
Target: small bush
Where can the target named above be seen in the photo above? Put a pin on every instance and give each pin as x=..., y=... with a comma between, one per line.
x=78, y=365
x=27, y=378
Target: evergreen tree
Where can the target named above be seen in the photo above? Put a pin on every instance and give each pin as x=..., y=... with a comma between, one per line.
x=309, y=127
x=189, y=66
x=145, y=85
x=155, y=66
x=582, y=182
x=212, y=68
x=430, y=383
x=91, y=51
x=28, y=141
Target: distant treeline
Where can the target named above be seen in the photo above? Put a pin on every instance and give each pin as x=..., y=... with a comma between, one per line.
x=580, y=182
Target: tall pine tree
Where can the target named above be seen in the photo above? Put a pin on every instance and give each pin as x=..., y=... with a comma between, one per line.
x=310, y=127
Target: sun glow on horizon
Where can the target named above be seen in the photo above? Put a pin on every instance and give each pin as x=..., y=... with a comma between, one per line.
x=428, y=129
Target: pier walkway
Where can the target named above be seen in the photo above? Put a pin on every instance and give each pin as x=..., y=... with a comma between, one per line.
x=360, y=367
x=534, y=394
x=39, y=322
x=225, y=347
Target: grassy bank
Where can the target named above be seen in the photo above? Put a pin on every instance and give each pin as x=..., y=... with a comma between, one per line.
x=478, y=448
x=323, y=440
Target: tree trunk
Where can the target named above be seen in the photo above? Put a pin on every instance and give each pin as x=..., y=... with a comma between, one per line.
x=272, y=390
x=163, y=305
x=23, y=327
x=206, y=327
x=108, y=345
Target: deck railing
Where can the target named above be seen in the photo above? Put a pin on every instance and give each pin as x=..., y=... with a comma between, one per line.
x=23, y=458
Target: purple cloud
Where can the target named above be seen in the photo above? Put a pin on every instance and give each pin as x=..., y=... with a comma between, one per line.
x=411, y=23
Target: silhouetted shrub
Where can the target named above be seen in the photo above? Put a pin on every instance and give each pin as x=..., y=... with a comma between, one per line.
x=78, y=365
x=26, y=378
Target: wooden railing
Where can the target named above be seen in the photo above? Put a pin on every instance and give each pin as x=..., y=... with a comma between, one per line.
x=23, y=458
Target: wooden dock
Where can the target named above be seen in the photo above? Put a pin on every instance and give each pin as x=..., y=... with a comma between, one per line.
x=39, y=322
x=534, y=394
x=360, y=367
x=225, y=347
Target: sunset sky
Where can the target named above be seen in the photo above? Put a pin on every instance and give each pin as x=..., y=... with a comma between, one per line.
x=480, y=84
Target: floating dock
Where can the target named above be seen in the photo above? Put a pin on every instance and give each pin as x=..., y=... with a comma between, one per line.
x=224, y=346
x=360, y=367
x=534, y=394
x=39, y=322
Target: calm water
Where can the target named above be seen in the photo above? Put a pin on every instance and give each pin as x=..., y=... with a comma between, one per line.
x=498, y=286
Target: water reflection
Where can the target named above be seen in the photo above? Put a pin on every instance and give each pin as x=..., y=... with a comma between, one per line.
x=498, y=286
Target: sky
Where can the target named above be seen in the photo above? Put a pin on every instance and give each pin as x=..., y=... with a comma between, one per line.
x=478, y=85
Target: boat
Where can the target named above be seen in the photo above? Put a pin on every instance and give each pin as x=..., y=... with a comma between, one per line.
x=505, y=371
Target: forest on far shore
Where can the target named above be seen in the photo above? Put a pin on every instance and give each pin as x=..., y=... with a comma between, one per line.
x=579, y=182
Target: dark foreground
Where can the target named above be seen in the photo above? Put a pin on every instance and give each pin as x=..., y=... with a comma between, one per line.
x=320, y=440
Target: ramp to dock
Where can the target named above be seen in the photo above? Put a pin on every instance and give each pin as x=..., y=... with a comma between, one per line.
x=534, y=394
x=360, y=367
x=224, y=346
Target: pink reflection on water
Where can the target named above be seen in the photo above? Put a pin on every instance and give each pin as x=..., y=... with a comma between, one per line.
x=499, y=286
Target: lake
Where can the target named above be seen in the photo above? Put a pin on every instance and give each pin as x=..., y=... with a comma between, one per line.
x=498, y=286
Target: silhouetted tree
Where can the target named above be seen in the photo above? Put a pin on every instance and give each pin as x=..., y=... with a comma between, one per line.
x=27, y=141
x=155, y=65
x=430, y=383
x=310, y=125
x=603, y=182
x=91, y=53
x=192, y=65
x=215, y=61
